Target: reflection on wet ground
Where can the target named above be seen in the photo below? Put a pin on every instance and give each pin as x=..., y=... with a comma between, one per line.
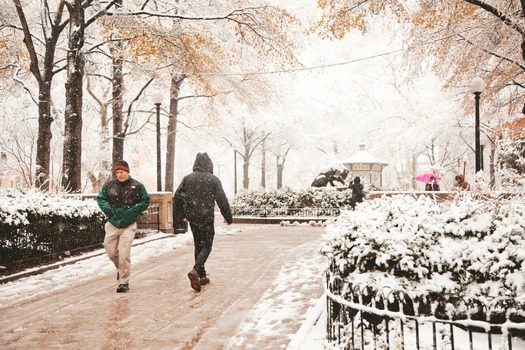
x=118, y=334
x=161, y=311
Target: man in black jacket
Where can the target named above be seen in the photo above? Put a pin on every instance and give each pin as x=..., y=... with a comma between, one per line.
x=195, y=198
x=122, y=199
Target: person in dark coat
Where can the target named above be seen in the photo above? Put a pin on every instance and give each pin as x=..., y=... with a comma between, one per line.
x=358, y=193
x=461, y=184
x=122, y=200
x=195, y=198
x=432, y=185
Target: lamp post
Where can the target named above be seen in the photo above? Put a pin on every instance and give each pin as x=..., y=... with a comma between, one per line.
x=477, y=86
x=235, y=169
x=157, y=100
x=464, y=164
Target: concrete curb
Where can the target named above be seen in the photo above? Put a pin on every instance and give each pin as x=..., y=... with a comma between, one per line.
x=277, y=220
x=313, y=316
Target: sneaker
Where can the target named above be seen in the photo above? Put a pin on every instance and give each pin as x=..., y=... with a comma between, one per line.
x=123, y=288
x=194, y=280
x=204, y=281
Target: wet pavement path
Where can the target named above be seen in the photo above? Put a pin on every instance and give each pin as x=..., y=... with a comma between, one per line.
x=161, y=311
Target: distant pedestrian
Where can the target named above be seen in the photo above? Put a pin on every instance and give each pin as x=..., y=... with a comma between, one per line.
x=196, y=197
x=432, y=185
x=358, y=193
x=461, y=184
x=122, y=200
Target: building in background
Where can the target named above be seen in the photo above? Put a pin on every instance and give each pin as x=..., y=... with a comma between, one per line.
x=367, y=167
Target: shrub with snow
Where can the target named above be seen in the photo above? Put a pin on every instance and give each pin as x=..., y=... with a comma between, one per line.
x=15, y=206
x=471, y=247
x=250, y=203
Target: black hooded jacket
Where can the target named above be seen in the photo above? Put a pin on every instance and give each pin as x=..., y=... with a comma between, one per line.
x=197, y=193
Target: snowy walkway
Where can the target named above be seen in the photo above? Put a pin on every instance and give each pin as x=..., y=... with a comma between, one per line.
x=266, y=280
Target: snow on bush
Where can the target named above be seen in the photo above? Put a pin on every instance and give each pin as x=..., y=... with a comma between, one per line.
x=15, y=206
x=288, y=198
x=473, y=247
x=510, y=167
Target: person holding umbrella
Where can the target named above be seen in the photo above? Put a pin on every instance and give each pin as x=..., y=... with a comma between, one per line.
x=431, y=181
x=432, y=185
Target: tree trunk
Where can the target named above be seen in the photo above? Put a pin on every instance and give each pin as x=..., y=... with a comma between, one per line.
x=72, y=152
x=413, y=164
x=263, y=164
x=104, y=165
x=176, y=82
x=118, y=96
x=104, y=169
x=280, y=170
x=118, y=90
x=280, y=160
x=43, y=142
x=246, y=167
x=43, y=73
x=492, y=165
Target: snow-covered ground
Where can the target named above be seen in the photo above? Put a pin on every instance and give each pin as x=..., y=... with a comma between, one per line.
x=310, y=335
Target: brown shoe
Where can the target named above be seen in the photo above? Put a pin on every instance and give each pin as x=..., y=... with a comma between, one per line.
x=193, y=275
x=123, y=288
x=204, y=281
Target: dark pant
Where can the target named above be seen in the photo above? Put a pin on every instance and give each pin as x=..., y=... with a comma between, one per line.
x=203, y=233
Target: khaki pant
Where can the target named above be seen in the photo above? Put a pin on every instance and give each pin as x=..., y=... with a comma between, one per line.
x=117, y=243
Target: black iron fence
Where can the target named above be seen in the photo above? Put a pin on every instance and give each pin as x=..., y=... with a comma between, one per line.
x=50, y=238
x=359, y=317
x=263, y=211
x=47, y=238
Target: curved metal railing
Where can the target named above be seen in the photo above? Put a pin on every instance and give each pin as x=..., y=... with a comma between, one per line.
x=360, y=317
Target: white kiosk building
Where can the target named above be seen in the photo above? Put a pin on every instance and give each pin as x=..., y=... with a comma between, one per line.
x=366, y=166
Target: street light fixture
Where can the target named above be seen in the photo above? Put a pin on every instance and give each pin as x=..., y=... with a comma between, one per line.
x=477, y=86
x=235, y=170
x=157, y=100
x=235, y=152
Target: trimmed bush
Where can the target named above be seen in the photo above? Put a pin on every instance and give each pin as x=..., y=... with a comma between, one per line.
x=36, y=227
x=470, y=247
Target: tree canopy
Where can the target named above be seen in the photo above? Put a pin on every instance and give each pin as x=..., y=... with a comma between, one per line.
x=460, y=39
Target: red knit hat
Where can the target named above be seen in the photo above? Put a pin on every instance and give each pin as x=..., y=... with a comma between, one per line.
x=121, y=165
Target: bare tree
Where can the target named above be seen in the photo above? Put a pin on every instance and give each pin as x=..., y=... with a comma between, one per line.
x=280, y=159
x=176, y=82
x=72, y=153
x=43, y=67
x=250, y=141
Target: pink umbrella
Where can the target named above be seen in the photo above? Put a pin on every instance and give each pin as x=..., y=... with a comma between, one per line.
x=427, y=177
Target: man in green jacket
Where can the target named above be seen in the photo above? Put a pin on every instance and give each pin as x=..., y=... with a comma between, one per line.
x=122, y=200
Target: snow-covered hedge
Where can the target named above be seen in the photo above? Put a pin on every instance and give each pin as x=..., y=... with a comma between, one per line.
x=247, y=202
x=472, y=247
x=15, y=206
x=36, y=227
